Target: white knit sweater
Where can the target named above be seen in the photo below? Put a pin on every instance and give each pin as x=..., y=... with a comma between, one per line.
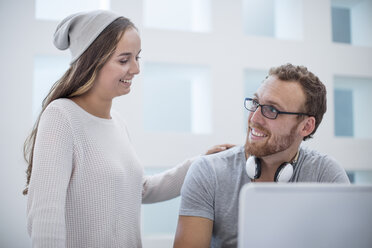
x=87, y=183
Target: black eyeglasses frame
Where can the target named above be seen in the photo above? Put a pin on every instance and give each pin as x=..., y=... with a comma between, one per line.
x=269, y=107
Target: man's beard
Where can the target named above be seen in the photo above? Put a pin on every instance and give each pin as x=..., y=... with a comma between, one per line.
x=277, y=144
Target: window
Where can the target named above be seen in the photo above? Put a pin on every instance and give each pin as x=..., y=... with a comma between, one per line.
x=176, y=98
x=186, y=15
x=351, y=22
x=352, y=100
x=252, y=81
x=280, y=19
x=160, y=218
x=360, y=176
x=341, y=25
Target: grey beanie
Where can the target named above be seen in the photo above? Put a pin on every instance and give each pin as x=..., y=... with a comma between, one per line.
x=78, y=31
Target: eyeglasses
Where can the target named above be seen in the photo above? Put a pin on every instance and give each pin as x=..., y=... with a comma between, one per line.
x=267, y=110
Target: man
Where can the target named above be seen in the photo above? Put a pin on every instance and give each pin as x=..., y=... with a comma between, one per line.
x=286, y=109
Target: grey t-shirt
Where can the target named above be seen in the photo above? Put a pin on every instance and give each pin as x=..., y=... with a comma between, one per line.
x=212, y=185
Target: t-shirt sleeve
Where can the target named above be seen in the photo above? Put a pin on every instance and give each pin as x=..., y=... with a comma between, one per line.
x=51, y=172
x=333, y=172
x=198, y=191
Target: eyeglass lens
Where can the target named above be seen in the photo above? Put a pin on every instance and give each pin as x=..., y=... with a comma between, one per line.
x=267, y=111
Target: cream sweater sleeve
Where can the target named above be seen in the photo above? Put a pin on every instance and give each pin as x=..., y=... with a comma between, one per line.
x=166, y=185
x=51, y=172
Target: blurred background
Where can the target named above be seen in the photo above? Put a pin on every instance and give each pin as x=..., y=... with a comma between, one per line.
x=199, y=59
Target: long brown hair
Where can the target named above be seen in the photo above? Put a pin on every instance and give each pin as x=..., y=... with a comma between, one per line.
x=79, y=78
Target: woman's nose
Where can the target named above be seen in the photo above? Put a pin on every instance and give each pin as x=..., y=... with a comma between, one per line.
x=134, y=67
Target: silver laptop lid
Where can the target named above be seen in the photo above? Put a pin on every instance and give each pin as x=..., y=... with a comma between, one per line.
x=305, y=216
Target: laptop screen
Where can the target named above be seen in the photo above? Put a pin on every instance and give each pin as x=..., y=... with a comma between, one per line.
x=305, y=215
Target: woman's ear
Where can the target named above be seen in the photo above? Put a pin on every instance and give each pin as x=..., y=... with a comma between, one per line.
x=308, y=126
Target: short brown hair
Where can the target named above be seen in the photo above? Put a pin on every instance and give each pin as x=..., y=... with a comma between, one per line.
x=314, y=89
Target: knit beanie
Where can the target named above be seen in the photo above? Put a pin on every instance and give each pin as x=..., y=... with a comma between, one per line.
x=78, y=31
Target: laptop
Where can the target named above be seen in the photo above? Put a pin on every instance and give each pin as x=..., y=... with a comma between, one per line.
x=305, y=215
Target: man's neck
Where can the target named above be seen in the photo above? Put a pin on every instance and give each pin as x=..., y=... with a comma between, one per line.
x=271, y=163
x=275, y=160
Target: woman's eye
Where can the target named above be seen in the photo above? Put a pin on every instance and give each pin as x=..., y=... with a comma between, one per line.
x=138, y=57
x=123, y=61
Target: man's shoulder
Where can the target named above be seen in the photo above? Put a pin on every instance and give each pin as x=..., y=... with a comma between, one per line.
x=320, y=167
x=222, y=163
x=313, y=156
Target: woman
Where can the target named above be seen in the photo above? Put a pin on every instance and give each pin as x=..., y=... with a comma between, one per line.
x=87, y=184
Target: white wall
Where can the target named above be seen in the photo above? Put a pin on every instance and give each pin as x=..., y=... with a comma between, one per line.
x=226, y=50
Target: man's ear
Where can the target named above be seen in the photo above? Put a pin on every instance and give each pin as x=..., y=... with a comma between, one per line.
x=308, y=126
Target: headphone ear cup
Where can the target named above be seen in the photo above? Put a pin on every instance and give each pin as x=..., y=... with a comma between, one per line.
x=253, y=167
x=284, y=173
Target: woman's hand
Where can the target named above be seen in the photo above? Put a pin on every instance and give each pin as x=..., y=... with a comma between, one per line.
x=219, y=148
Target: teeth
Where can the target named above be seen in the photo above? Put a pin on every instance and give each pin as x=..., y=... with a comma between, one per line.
x=257, y=134
x=125, y=81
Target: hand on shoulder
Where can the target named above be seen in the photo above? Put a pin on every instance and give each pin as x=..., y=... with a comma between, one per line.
x=219, y=148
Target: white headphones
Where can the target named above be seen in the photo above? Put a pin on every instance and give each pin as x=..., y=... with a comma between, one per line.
x=283, y=174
